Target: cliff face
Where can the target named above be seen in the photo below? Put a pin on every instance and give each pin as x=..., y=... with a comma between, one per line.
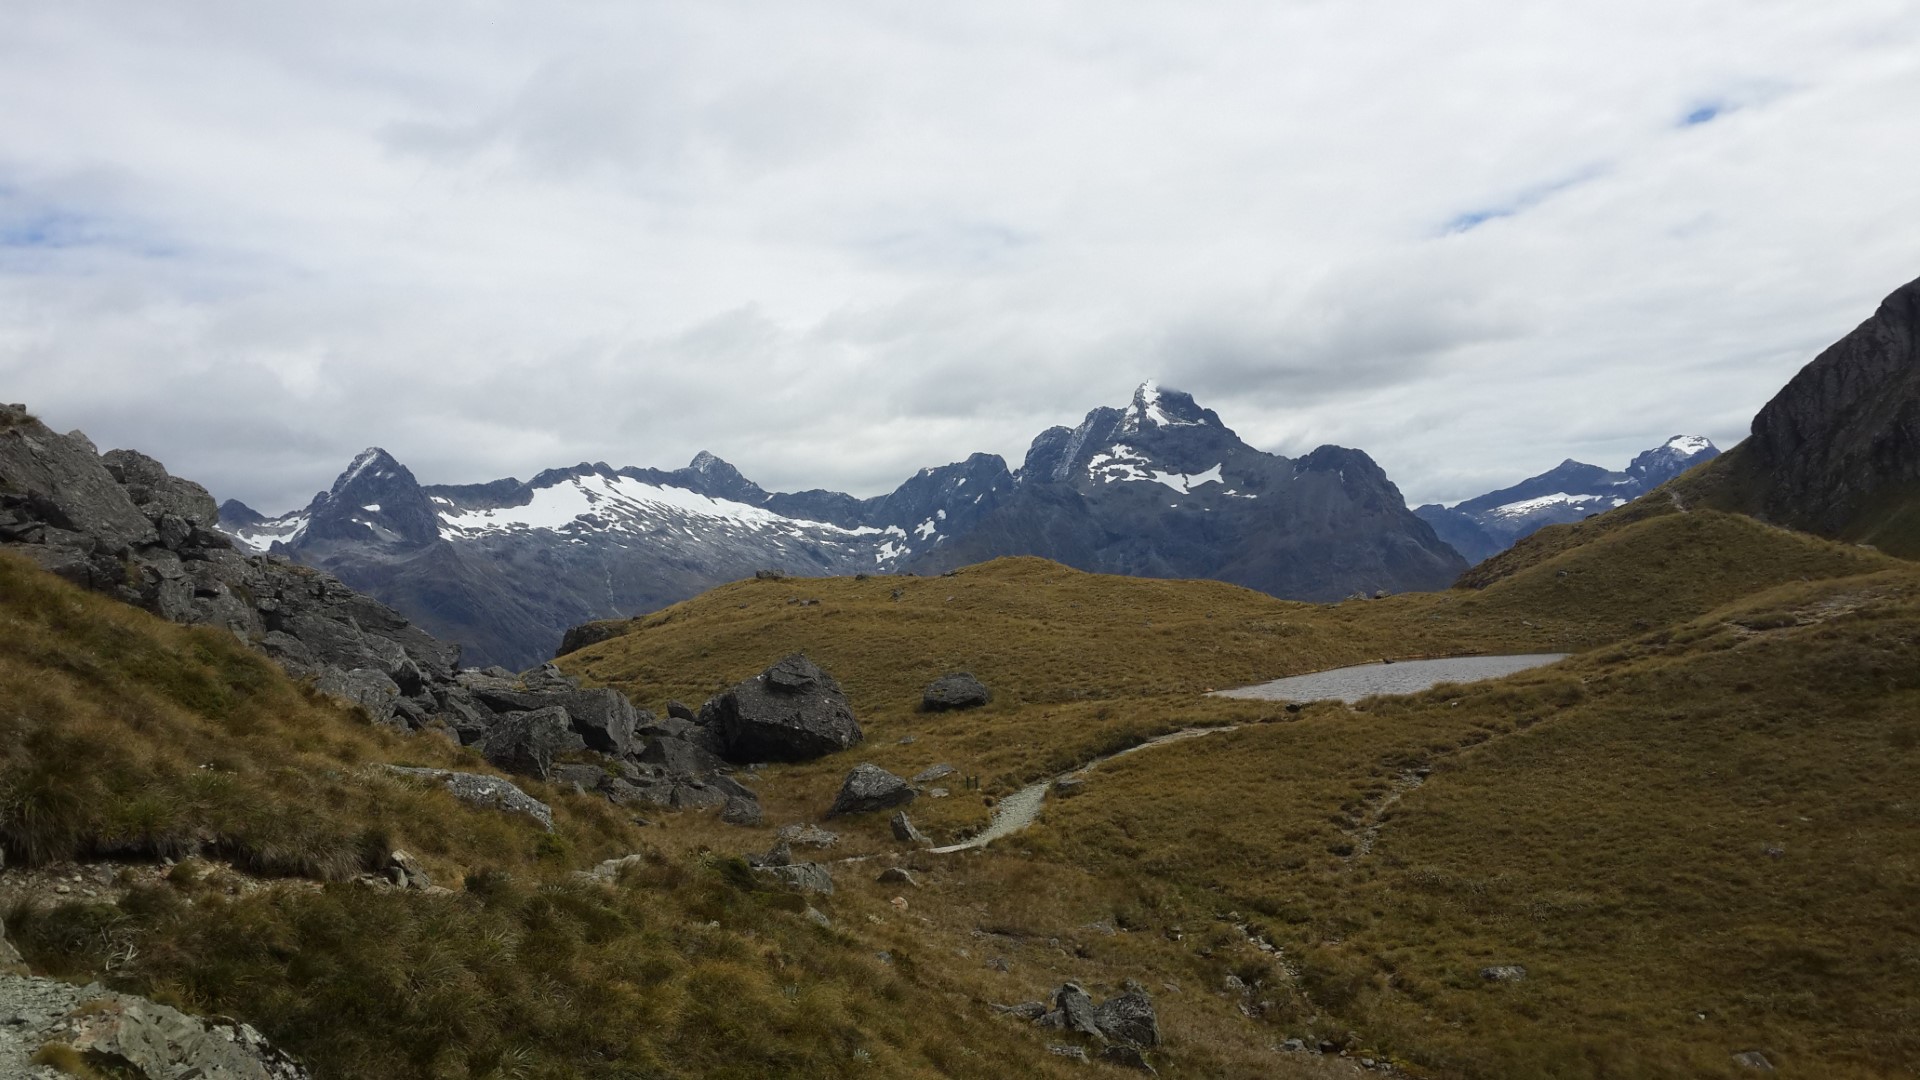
x=1841, y=441
x=1837, y=450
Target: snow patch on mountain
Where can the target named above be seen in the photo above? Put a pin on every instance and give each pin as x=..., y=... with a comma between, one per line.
x=598, y=502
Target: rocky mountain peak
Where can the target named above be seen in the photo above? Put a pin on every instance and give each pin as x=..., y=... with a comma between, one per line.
x=375, y=498
x=1671, y=458
x=711, y=475
x=1157, y=406
x=235, y=514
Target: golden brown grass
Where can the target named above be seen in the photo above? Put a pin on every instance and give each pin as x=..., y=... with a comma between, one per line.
x=1595, y=821
x=129, y=737
x=1606, y=823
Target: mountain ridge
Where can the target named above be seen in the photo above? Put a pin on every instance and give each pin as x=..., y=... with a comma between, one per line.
x=1488, y=524
x=1161, y=488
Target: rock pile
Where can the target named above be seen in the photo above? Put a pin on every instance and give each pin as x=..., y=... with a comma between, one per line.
x=1122, y=1028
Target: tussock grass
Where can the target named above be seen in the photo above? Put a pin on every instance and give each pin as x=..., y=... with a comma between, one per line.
x=122, y=736
x=1697, y=842
x=1600, y=822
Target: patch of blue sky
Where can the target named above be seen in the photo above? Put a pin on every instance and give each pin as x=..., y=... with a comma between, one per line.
x=1702, y=114
x=1523, y=201
x=45, y=230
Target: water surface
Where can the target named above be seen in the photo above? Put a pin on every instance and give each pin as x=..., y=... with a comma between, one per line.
x=1350, y=684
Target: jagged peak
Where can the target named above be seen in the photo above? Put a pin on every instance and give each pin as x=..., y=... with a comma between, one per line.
x=1162, y=407
x=373, y=463
x=706, y=461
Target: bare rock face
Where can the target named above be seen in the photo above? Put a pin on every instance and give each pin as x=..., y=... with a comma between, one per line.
x=1837, y=450
x=152, y=1039
x=793, y=711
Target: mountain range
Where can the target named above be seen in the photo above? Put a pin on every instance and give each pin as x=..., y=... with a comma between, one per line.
x=1486, y=525
x=1160, y=488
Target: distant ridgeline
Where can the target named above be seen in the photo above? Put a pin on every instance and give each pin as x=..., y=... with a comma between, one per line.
x=1161, y=488
x=1570, y=491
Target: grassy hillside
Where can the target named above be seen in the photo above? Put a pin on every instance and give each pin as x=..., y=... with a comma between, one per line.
x=1606, y=822
x=126, y=737
x=1696, y=842
x=1083, y=664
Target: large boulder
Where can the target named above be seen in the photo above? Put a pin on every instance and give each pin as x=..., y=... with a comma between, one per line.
x=868, y=788
x=527, y=742
x=159, y=494
x=375, y=693
x=67, y=487
x=956, y=691
x=1129, y=1017
x=679, y=757
x=603, y=717
x=793, y=711
x=593, y=633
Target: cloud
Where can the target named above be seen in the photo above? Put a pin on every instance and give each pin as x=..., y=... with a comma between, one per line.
x=834, y=242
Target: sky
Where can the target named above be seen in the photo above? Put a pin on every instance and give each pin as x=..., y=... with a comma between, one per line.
x=836, y=242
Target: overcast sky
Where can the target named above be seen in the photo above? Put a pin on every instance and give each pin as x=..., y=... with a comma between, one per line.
x=835, y=242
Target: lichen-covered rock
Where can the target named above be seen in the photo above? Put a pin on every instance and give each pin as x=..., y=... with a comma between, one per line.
x=801, y=877
x=490, y=792
x=1129, y=1017
x=140, y=1036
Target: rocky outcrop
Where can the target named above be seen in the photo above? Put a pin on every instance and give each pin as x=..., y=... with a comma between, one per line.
x=1123, y=1026
x=129, y=1033
x=121, y=525
x=593, y=633
x=1837, y=450
x=957, y=691
x=793, y=711
x=489, y=792
x=868, y=788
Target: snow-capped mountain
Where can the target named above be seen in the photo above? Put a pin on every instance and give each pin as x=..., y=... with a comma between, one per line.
x=1160, y=488
x=1570, y=491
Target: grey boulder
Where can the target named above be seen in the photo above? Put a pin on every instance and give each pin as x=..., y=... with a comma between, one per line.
x=956, y=691
x=868, y=788
x=802, y=877
x=527, y=742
